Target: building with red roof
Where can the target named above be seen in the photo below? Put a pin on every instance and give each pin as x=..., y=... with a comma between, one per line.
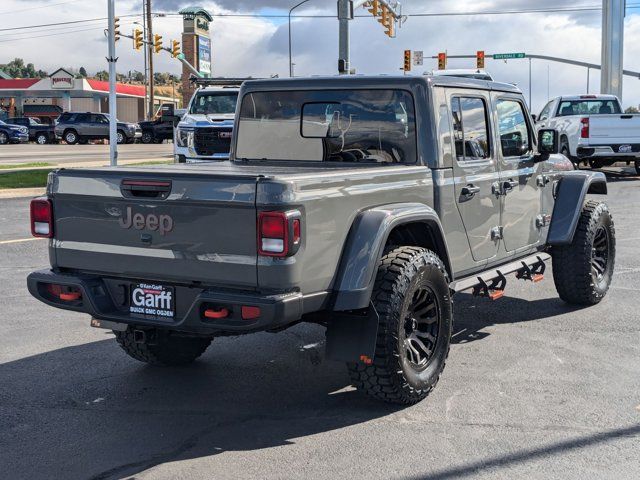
x=46, y=98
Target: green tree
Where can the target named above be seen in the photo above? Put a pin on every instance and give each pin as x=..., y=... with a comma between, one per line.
x=632, y=110
x=83, y=72
x=102, y=75
x=18, y=69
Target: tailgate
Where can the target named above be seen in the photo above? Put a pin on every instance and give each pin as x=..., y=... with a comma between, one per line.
x=613, y=129
x=170, y=227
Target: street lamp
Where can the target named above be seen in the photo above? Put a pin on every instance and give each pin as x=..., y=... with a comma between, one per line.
x=291, y=10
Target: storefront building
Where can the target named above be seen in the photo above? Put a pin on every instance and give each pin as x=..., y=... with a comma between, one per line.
x=46, y=98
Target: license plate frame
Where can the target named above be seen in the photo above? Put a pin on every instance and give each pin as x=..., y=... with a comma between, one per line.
x=152, y=301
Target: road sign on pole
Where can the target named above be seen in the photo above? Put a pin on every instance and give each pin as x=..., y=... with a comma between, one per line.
x=508, y=56
x=418, y=58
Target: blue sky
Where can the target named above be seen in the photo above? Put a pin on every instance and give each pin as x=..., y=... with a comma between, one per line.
x=258, y=46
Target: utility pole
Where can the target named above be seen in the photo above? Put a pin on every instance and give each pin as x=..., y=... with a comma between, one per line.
x=613, y=12
x=149, y=57
x=387, y=12
x=345, y=15
x=112, y=59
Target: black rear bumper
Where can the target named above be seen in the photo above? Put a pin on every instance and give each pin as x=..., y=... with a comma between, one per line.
x=107, y=298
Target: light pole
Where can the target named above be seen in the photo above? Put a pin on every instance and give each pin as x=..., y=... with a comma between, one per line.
x=290, y=60
x=112, y=59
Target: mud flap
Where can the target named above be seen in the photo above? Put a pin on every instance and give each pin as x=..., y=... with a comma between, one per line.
x=351, y=337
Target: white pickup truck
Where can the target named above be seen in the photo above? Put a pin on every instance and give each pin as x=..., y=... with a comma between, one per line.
x=593, y=129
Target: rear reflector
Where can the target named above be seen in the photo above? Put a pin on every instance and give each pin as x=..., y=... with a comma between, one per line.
x=249, y=312
x=41, y=217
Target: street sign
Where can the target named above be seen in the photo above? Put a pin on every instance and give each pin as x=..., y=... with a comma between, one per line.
x=418, y=57
x=507, y=56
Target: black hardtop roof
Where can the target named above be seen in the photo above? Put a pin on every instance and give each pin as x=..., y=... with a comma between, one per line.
x=375, y=81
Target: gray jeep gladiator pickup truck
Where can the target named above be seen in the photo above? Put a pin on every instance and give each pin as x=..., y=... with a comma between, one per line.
x=359, y=203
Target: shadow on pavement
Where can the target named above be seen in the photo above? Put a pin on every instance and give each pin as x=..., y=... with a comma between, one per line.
x=479, y=467
x=89, y=411
x=472, y=314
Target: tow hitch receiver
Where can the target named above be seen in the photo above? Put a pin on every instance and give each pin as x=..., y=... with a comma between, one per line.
x=492, y=290
x=535, y=272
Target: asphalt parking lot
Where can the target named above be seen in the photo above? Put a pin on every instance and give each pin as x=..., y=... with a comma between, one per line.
x=533, y=388
x=61, y=154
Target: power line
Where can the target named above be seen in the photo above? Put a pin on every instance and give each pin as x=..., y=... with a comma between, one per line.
x=418, y=14
x=38, y=7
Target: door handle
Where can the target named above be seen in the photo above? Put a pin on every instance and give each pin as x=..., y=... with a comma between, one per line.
x=509, y=185
x=470, y=190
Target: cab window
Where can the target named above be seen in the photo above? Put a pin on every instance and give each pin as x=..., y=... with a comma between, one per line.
x=515, y=136
x=470, y=129
x=544, y=114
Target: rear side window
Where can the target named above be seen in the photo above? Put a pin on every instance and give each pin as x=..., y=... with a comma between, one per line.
x=83, y=118
x=349, y=125
x=544, y=114
x=470, y=128
x=515, y=136
x=66, y=117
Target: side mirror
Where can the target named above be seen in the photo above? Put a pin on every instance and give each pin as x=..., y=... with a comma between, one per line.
x=535, y=117
x=547, y=143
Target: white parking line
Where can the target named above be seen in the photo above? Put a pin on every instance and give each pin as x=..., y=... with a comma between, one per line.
x=20, y=240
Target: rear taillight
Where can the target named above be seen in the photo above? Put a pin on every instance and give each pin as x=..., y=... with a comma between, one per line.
x=584, y=131
x=279, y=233
x=41, y=217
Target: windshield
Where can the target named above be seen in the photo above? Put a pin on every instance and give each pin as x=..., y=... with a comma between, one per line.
x=332, y=125
x=588, y=107
x=210, y=103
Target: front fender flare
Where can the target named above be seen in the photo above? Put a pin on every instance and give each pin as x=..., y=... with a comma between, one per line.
x=365, y=245
x=570, y=194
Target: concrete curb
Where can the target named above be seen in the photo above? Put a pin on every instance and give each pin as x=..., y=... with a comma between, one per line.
x=21, y=192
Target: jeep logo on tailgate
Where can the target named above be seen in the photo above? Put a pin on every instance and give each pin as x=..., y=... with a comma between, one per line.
x=139, y=221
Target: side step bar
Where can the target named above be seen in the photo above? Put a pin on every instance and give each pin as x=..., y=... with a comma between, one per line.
x=491, y=283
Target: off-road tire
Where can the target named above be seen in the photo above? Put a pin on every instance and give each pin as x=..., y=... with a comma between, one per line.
x=147, y=137
x=637, y=165
x=572, y=269
x=391, y=378
x=166, y=350
x=71, y=137
x=42, y=139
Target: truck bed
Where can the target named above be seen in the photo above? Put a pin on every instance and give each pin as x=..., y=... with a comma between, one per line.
x=201, y=227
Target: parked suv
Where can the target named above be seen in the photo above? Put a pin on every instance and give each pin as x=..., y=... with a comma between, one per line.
x=80, y=127
x=358, y=203
x=13, y=133
x=38, y=132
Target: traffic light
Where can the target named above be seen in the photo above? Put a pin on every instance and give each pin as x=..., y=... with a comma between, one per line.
x=137, y=39
x=157, y=43
x=116, y=28
x=374, y=8
x=442, y=61
x=407, y=60
x=480, y=59
x=175, y=48
x=386, y=12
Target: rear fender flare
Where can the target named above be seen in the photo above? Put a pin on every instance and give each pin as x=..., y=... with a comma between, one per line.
x=570, y=194
x=365, y=244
